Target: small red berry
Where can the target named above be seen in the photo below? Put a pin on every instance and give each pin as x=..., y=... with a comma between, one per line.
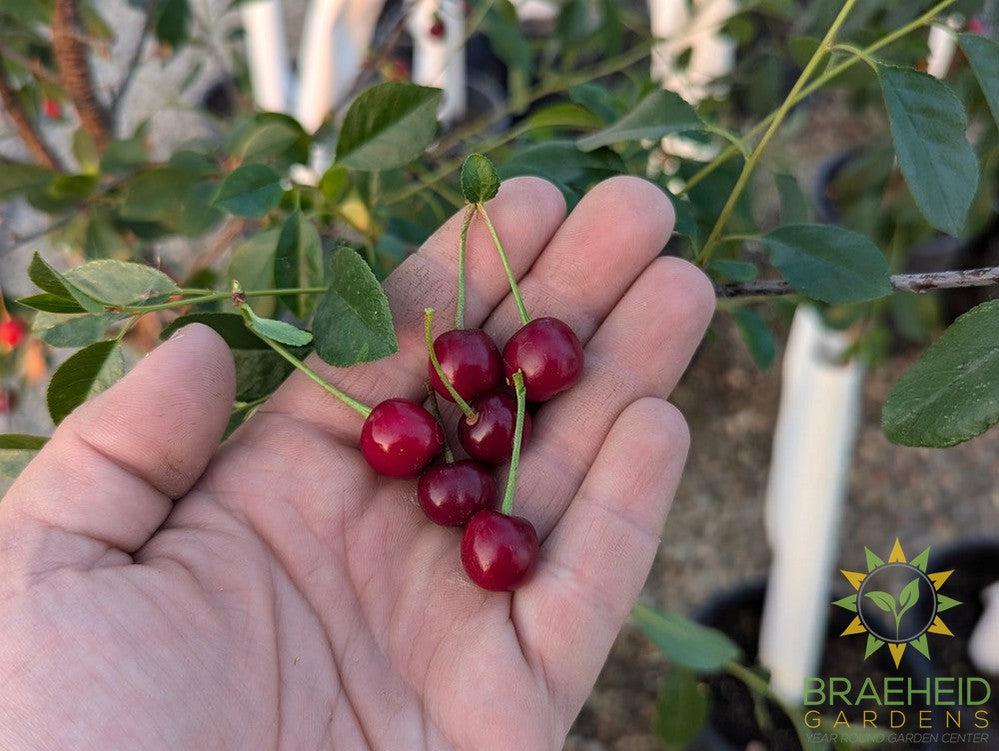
x=549, y=354
x=499, y=551
x=470, y=360
x=8, y=401
x=489, y=438
x=399, y=438
x=12, y=332
x=977, y=26
x=437, y=28
x=51, y=109
x=451, y=493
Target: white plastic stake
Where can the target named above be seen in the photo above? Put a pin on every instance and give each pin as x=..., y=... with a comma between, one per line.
x=315, y=63
x=440, y=61
x=809, y=470
x=267, y=54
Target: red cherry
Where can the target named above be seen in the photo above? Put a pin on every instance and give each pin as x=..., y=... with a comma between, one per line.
x=977, y=26
x=451, y=493
x=437, y=28
x=12, y=332
x=490, y=438
x=549, y=354
x=499, y=551
x=8, y=401
x=51, y=108
x=399, y=438
x=470, y=360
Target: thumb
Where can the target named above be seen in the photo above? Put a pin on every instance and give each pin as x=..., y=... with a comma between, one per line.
x=110, y=473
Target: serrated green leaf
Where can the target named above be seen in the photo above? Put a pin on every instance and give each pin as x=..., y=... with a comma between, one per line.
x=479, y=181
x=388, y=126
x=928, y=125
x=16, y=450
x=112, y=282
x=983, y=55
x=353, y=323
x=47, y=278
x=829, y=263
x=658, y=114
x=681, y=708
x=685, y=643
x=87, y=373
x=252, y=263
x=250, y=190
x=757, y=336
x=71, y=330
x=50, y=303
x=279, y=331
x=952, y=393
x=298, y=262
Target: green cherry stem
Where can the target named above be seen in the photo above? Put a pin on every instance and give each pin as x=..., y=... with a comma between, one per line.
x=435, y=410
x=518, y=437
x=525, y=318
x=428, y=336
x=459, y=307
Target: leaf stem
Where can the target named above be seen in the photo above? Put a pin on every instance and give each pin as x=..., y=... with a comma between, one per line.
x=215, y=296
x=825, y=77
x=758, y=685
x=525, y=317
x=428, y=336
x=747, y=170
x=459, y=306
x=518, y=438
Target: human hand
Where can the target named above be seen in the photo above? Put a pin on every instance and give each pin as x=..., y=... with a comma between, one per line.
x=158, y=591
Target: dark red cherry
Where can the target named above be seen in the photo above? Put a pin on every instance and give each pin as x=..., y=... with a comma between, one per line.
x=490, y=438
x=437, y=28
x=451, y=493
x=499, y=551
x=399, y=438
x=549, y=354
x=470, y=360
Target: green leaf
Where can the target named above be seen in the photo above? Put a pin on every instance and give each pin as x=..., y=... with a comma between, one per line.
x=829, y=263
x=125, y=155
x=479, y=181
x=87, y=373
x=952, y=393
x=883, y=600
x=334, y=183
x=353, y=323
x=507, y=39
x=252, y=263
x=270, y=135
x=47, y=278
x=928, y=125
x=19, y=177
x=658, y=114
x=50, y=303
x=298, y=262
x=909, y=596
x=16, y=450
x=757, y=336
x=172, y=18
x=250, y=190
x=562, y=162
x=983, y=55
x=388, y=125
x=259, y=369
x=111, y=282
x=681, y=709
x=103, y=240
x=279, y=331
x=71, y=330
x=177, y=198
x=794, y=208
x=85, y=151
x=685, y=643
x=562, y=115
x=732, y=270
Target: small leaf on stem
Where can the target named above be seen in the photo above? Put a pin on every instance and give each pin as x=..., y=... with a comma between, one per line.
x=479, y=181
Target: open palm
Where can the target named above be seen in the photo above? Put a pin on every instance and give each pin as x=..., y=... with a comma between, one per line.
x=159, y=592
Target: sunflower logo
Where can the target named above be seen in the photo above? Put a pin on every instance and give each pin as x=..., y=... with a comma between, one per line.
x=885, y=603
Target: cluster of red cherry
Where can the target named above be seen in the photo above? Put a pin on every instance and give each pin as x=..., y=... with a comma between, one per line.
x=13, y=331
x=401, y=438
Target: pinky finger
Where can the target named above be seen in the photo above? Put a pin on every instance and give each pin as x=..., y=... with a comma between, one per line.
x=595, y=561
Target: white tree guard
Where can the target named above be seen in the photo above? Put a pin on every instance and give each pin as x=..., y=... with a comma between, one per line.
x=440, y=61
x=809, y=469
x=983, y=647
x=267, y=54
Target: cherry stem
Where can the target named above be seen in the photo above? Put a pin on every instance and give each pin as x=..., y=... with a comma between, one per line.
x=518, y=437
x=428, y=336
x=525, y=318
x=435, y=410
x=459, y=306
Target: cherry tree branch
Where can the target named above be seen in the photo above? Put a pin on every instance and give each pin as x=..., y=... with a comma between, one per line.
x=37, y=147
x=74, y=72
x=928, y=282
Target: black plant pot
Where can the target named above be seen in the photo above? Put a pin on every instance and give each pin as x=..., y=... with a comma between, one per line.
x=734, y=720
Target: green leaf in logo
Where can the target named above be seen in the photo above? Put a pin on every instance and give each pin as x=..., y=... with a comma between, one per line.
x=883, y=600
x=908, y=597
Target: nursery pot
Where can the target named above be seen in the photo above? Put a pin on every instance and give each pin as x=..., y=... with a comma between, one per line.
x=735, y=720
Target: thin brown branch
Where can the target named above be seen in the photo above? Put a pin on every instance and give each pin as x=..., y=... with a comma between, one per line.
x=74, y=72
x=37, y=147
x=919, y=283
